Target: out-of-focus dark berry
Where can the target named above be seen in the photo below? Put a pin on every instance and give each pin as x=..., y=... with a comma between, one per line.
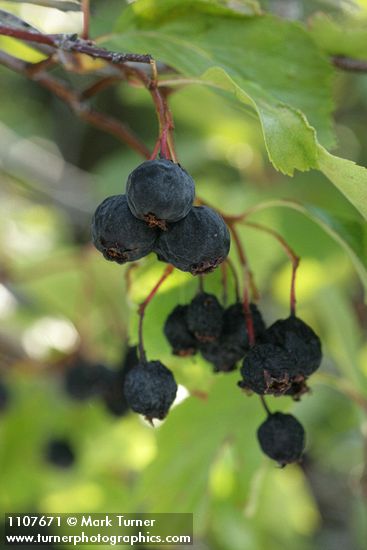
x=85, y=380
x=198, y=243
x=60, y=453
x=160, y=191
x=205, y=317
x=268, y=369
x=4, y=397
x=177, y=332
x=119, y=235
x=114, y=397
x=282, y=438
x=150, y=389
x=299, y=340
x=222, y=357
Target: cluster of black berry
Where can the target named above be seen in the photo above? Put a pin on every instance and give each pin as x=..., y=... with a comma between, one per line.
x=219, y=334
x=157, y=215
x=279, y=363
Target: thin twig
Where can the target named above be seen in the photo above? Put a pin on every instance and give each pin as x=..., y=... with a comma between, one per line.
x=62, y=91
x=169, y=269
x=349, y=64
x=71, y=43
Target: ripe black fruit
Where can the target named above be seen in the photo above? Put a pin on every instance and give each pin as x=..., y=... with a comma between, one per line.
x=299, y=340
x=205, y=317
x=113, y=396
x=282, y=438
x=150, y=389
x=85, y=380
x=233, y=342
x=160, y=191
x=268, y=369
x=118, y=234
x=177, y=332
x=60, y=453
x=198, y=243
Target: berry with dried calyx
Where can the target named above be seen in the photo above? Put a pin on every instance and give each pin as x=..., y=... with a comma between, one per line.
x=205, y=317
x=119, y=235
x=268, y=369
x=197, y=244
x=299, y=340
x=176, y=330
x=160, y=192
x=282, y=438
x=150, y=389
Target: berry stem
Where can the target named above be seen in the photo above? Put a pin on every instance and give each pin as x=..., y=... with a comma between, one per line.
x=86, y=19
x=224, y=281
x=231, y=266
x=247, y=285
x=265, y=405
x=291, y=255
x=143, y=306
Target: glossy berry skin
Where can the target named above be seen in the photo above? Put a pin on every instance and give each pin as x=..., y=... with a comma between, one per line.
x=205, y=317
x=299, y=340
x=118, y=234
x=268, y=369
x=177, y=333
x=114, y=396
x=150, y=389
x=197, y=244
x=160, y=191
x=60, y=453
x=85, y=380
x=282, y=438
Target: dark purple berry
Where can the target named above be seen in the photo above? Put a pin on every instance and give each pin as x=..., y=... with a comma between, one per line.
x=205, y=317
x=177, y=332
x=60, y=453
x=222, y=357
x=118, y=234
x=150, y=389
x=198, y=243
x=282, y=438
x=113, y=396
x=84, y=380
x=160, y=191
x=233, y=342
x=299, y=340
x=268, y=369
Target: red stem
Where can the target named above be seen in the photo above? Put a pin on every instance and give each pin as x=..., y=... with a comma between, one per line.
x=86, y=18
x=229, y=262
x=291, y=255
x=247, y=285
x=143, y=306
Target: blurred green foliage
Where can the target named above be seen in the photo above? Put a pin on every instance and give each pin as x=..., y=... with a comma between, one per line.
x=58, y=295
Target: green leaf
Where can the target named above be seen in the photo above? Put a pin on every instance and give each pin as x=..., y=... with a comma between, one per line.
x=351, y=234
x=260, y=54
x=347, y=176
x=340, y=37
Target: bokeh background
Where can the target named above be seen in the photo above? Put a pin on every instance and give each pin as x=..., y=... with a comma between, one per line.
x=59, y=299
